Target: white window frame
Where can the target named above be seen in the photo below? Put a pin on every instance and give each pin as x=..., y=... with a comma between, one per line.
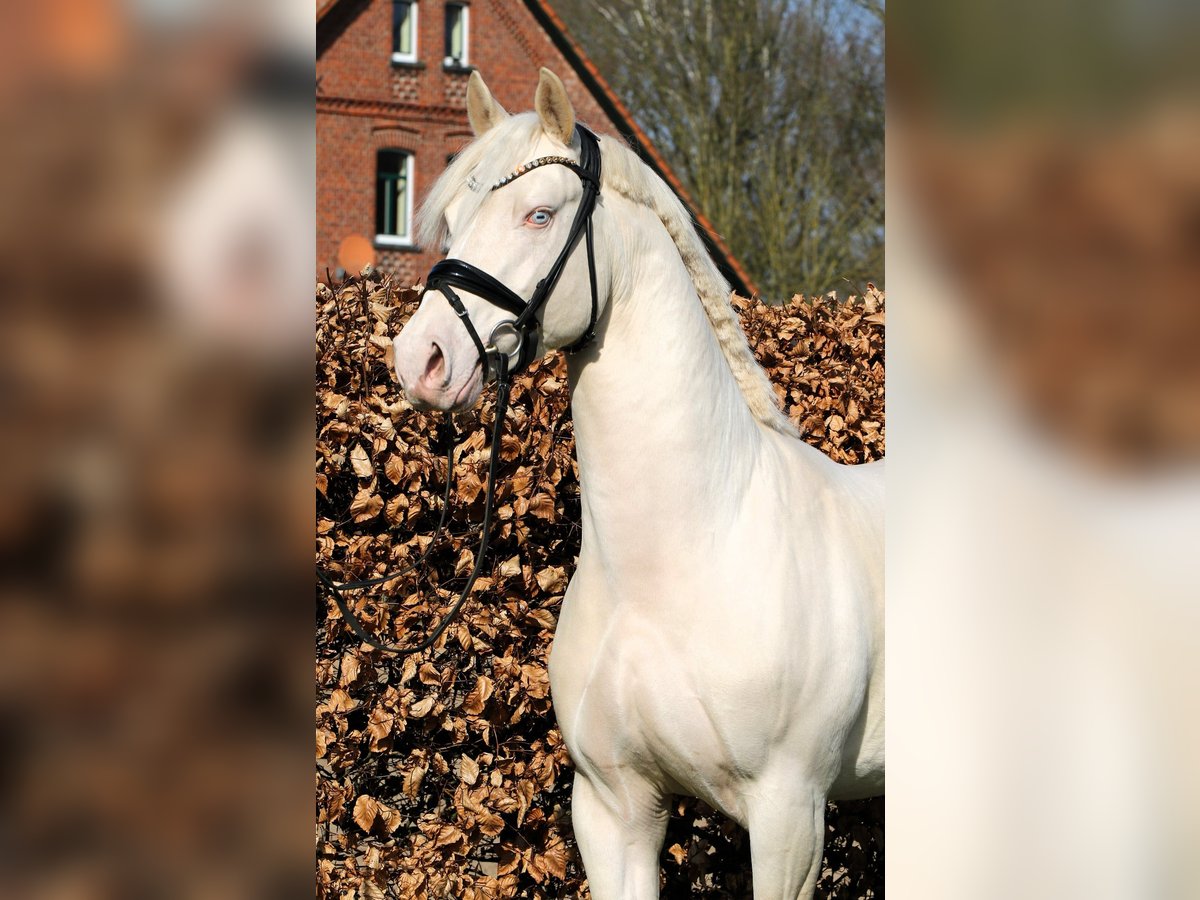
x=400, y=240
x=401, y=57
x=450, y=61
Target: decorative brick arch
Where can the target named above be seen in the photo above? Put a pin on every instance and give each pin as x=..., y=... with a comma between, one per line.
x=396, y=136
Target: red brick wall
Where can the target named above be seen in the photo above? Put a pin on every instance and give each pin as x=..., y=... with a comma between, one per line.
x=365, y=103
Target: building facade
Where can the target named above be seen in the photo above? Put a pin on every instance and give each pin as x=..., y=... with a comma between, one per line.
x=391, y=112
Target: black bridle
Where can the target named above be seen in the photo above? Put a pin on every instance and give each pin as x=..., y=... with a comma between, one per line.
x=519, y=338
x=451, y=273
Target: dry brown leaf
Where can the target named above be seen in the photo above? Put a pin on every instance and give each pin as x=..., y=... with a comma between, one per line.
x=552, y=580
x=379, y=726
x=428, y=674
x=412, y=781
x=468, y=770
x=360, y=462
x=448, y=835
x=542, y=506
x=478, y=697
x=554, y=859
x=393, y=469
x=421, y=708
x=525, y=794
x=545, y=617
x=350, y=669
x=535, y=680
x=510, y=858
x=366, y=808
x=466, y=561
x=366, y=505
x=490, y=823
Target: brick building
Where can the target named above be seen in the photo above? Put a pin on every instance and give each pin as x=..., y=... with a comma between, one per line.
x=391, y=111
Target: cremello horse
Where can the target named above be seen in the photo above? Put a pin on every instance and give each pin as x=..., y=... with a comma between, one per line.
x=722, y=635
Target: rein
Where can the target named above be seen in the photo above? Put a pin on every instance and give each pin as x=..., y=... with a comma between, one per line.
x=519, y=338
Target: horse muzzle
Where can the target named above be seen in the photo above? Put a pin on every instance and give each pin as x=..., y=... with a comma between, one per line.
x=435, y=374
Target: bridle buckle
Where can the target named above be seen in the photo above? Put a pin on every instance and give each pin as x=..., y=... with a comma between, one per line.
x=504, y=348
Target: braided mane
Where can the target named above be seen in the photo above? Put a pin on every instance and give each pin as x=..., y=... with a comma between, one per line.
x=625, y=174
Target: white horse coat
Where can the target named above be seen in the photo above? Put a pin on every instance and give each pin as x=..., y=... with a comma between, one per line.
x=722, y=636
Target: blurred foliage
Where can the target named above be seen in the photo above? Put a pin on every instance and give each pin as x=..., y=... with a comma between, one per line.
x=444, y=774
x=1077, y=254
x=1067, y=61
x=771, y=113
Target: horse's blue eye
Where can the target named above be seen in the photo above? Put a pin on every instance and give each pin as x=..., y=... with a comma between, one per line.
x=539, y=217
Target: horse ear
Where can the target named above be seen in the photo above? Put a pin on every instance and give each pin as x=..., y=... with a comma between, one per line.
x=483, y=110
x=554, y=108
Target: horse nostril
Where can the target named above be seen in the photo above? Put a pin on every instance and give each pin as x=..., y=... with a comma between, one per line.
x=436, y=367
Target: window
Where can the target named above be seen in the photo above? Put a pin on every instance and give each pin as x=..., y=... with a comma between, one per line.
x=393, y=198
x=404, y=31
x=456, y=34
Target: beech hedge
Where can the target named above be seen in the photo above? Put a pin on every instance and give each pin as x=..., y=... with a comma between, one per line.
x=443, y=774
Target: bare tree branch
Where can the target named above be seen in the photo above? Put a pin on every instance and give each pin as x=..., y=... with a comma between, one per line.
x=771, y=112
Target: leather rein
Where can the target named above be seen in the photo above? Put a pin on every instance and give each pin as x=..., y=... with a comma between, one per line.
x=511, y=347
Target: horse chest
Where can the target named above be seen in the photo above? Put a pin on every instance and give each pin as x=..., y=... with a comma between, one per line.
x=637, y=702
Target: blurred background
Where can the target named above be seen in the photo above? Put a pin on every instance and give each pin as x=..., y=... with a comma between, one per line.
x=156, y=222
x=1043, y=196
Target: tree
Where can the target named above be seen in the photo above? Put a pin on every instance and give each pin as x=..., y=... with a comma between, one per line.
x=771, y=113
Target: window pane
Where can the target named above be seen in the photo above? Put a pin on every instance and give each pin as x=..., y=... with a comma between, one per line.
x=402, y=27
x=401, y=204
x=391, y=193
x=455, y=31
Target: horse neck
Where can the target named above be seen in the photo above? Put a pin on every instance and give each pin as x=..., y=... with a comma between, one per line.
x=664, y=438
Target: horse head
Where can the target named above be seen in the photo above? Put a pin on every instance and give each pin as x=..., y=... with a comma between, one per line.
x=514, y=214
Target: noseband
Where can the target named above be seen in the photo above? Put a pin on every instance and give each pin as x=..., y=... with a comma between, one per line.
x=498, y=364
